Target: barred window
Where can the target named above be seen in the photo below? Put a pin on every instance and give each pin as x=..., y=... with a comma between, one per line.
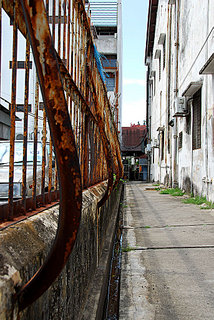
x=196, y=134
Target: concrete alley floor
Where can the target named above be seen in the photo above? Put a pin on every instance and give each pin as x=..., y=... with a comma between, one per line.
x=167, y=259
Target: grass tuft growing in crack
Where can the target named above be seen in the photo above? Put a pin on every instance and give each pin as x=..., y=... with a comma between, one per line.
x=201, y=201
x=176, y=192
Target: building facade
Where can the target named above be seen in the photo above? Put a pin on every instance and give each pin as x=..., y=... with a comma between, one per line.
x=106, y=18
x=180, y=100
x=134, y=139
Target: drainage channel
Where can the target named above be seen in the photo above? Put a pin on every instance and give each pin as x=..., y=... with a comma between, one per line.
x=111, y=307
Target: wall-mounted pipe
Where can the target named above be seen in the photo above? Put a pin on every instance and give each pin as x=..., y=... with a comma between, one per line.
x=176, y=51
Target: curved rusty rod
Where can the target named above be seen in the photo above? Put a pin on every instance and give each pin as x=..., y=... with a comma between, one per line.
x=67, y=159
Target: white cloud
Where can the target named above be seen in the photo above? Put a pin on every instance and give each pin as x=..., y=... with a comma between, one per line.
x=132, y=81
x=133, y=112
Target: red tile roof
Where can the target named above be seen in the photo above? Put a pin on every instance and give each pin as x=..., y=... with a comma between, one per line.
x=132, y=137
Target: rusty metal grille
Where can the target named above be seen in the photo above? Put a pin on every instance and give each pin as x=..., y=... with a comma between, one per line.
x=67, y=140
x=89, y=109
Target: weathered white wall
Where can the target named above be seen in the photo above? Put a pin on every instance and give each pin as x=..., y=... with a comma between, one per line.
x=196, y=44
x=106, y=44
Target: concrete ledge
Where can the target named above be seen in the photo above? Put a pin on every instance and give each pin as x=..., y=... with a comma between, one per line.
x=24, y=246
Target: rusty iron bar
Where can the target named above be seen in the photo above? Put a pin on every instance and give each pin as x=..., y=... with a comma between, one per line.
x=0, y=41
x=64, y=143
x=59, y=28
x=68, y=34
x=50, y=168
x=44, y=135
x=35, y=140
x=53, y=20
x=64, y=31
x=12, y=113
x=25, y=133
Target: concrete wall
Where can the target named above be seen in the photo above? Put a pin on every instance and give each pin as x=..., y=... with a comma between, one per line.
x=190, y=169
x=25, y=245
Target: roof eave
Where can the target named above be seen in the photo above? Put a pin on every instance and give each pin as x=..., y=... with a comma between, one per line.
x=151, y=24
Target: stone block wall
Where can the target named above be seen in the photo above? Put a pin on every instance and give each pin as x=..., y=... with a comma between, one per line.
x=24, y=246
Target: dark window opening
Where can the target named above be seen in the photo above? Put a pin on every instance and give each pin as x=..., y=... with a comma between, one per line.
x=159, y=67
x=164, y=55
x=109, y=61
x=41, y=105
x=106, y=31
x=20, y=65
x=162, y=145
x=196, y=132
x=110, y=81
x=188, y=120
x=21, y=108
x=180, y=140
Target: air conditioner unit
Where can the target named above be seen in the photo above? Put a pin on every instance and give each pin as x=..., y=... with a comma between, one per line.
x=180, y=107
x=148, y=148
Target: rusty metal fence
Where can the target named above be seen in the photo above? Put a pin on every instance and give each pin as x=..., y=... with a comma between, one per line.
x=86, y=102
x=59, y=108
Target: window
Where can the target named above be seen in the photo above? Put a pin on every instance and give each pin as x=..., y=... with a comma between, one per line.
x=159, y=67
x=188, y=118
x=180, y=140
x=109, y=61
x=162, y=145
x=20, y=64
x=196, y=132
x=21, y=108
x=41, y=105
x=110, y=81
x=164, y=54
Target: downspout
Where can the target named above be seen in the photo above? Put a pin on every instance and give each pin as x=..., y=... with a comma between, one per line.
x=206, y=107
x=148, y=120
x=175, y=165
x=168, y=65
x=191, y=108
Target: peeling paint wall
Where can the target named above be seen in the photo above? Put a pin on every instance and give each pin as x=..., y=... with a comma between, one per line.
x=195, y=171
x=25, y=245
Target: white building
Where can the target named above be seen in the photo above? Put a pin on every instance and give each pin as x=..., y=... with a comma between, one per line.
x=180, y=98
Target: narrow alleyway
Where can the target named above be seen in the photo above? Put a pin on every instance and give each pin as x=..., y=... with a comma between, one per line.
x=167, y=259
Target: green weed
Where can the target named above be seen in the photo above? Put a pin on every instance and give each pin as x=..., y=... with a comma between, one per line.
x=176, y=192
x=127, y=249
x=198, y=200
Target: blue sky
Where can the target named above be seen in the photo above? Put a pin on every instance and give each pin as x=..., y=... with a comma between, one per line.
x=134, y=70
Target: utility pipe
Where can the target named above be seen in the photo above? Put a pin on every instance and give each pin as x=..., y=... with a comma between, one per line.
x=206, y=112
x=175, y=166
